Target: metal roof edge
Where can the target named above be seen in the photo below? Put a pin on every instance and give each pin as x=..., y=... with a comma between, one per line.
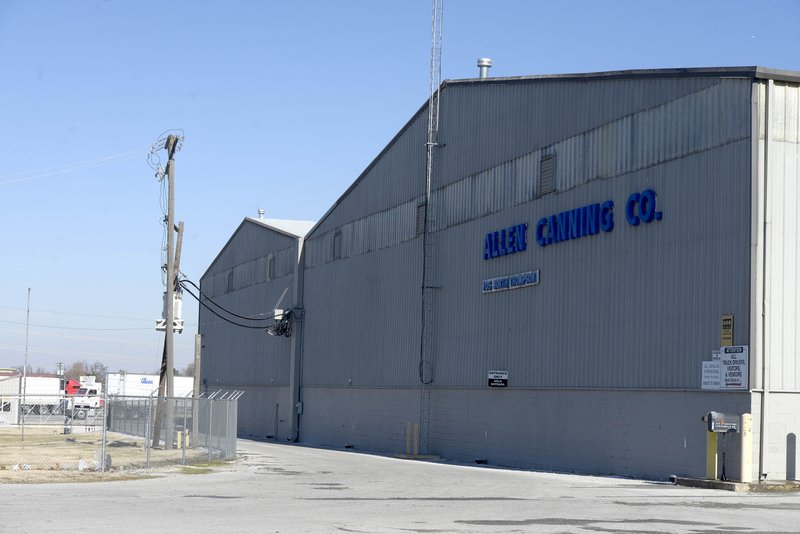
x=374, y=161
x=781, y=75
x=275, y=228
x=238, y=228
x=754, y=72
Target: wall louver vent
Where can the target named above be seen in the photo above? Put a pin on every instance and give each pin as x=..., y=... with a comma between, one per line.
x=421, y=208
x=547, y=174
x=337, y=245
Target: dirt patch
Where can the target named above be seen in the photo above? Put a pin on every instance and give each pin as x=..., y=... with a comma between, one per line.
x=48, y=450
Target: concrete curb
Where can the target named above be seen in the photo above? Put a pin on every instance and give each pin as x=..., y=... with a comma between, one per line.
x=778, y=486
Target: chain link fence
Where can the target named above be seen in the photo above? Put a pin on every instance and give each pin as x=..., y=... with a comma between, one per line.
x=111, y=433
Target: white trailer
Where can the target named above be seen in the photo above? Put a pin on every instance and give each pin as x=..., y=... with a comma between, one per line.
x=9, y=397
x=140, y=385
x=42, y=394
x=31, y=395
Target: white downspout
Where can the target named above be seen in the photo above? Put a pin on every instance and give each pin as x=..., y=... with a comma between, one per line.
x=765, y=346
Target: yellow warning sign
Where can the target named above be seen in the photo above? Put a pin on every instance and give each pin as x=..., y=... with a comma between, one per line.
x=726, y=332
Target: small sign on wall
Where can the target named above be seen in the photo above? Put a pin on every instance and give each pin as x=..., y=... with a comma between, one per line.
x=712, y=375
x=510, y=281
x=726, y=331
x=498, y=379
x=735, y=366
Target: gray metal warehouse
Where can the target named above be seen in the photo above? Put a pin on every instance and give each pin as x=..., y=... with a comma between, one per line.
x=599, y=260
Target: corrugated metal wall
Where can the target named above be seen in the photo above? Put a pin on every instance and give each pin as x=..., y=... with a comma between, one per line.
x=688, y=124
x=362, y=319
x=367, y=234
x=638, y=307
x=608, y=307
x=238, y=280
x=783, y=199
x=484, y=125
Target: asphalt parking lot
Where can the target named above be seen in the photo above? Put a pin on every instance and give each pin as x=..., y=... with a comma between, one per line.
x=288, y=488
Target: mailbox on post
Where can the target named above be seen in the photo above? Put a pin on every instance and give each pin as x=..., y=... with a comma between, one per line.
x=718, y=423
x=723, y=422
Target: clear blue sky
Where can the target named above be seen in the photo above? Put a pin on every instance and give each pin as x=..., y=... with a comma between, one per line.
x=283, y=105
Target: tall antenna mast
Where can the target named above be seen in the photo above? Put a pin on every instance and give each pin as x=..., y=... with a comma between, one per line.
x=426, y=359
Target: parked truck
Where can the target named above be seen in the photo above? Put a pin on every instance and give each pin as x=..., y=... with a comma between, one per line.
x=87, y=400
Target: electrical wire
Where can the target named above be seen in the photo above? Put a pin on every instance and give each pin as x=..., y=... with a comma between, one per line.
x=220, y=316
x=83, y=329
x=24, y=176
x=203, y=295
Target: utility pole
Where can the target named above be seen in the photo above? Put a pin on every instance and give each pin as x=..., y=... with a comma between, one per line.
x=171, y=145
x=166, y=384
x=162, y=377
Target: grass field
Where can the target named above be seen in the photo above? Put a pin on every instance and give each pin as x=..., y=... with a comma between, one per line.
x=48, y=448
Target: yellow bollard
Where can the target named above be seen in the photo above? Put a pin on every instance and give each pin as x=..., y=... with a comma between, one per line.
x=711, y=455
x=180, y=439
x=747, y=448
x=408, y=438
x=416, y=439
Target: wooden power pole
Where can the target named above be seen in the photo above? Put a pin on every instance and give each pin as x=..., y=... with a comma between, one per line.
x=166, y=384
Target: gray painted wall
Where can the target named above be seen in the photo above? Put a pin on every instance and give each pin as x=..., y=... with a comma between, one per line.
x=642, y=433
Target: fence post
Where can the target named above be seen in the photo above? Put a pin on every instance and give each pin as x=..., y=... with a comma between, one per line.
x=106, y=423
x=185, y=435
x=148, y=428
x=208, y=436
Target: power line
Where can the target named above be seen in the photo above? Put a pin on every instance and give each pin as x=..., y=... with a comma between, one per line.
x=203, y=295
x=206, y=306
x=35, y=310
x=77, y=260
x=25, y=176
x=81, y=328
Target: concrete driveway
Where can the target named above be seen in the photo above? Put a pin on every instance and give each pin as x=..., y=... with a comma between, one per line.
x=288, y=488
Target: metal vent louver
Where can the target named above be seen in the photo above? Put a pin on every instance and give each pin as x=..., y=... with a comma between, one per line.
x=337, y=244
x=421, y=218
x=547, y=174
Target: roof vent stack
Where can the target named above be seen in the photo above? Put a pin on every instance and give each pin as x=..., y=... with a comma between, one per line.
x=261, y=213
x=484, y=64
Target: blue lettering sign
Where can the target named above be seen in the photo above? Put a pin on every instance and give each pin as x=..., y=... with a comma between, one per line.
x=505, y=241
x=576, y=223
x=146, y=381
x=607, y=216
x=572, y=224
x=641, y=207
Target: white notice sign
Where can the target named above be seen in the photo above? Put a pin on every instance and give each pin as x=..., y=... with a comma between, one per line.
x=712, y=375
x=735, y=366
x=498, y=379
x=728, y=369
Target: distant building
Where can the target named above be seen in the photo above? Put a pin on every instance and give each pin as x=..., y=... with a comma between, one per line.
x=590, y=240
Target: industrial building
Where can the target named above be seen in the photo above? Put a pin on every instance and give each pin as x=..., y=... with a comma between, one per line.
x=557, y=298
